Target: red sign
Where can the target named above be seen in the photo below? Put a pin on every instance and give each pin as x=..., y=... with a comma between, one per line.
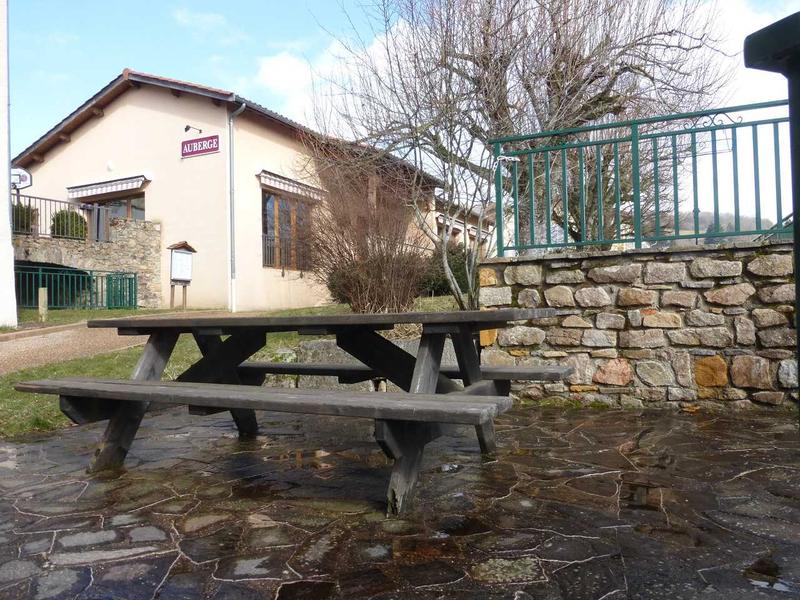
x=198, y=146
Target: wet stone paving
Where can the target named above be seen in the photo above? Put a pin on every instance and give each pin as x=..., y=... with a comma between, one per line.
x=576, y=504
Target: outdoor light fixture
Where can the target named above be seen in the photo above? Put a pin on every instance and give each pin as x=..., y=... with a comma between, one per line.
x=188, y=127
x=776, y=48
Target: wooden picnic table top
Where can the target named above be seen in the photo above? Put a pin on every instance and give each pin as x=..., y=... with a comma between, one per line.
x=477, y=319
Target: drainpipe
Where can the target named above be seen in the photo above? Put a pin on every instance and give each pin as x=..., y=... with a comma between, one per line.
x=232, y=208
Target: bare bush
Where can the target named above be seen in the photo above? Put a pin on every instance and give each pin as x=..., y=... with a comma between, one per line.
x=364, y=245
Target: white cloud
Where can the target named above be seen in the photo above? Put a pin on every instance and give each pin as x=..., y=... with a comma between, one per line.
x=290, y=79
x=208, y=24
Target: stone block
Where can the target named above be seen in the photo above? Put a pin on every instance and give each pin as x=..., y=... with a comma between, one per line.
x=711, y=371
x=730, y=295
x=655, y=373
x=487, y=337
x=715, y=337
x=777, y=294
x=660, y=272
x=684, y=337
x=529, y=298
x=614, y=372
x=636, y=297
x=575, y=321
x=565, y=276
x=582, y=369
x=767, y=317
x=681, y=298
x=523, y=274
x=745, y=331
x=635, y=318
x=751, y=372
x=520, y=335
x=787, y=373
x=667, y=320
x=494, y=357
x=778, y=337
x=772, y=265
x=495, y=296
x=647, y=338
x=773, y=398
x=606, y=320
x=558, y=336
x=592, y=297
x=708, y=267
x=616, y=274
x=701, y=318
x=604, y=353
x=559, y=296
x=597, y=338
x=487, y=276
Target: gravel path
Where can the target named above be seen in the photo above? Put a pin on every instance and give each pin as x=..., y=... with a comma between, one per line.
x=58, y=346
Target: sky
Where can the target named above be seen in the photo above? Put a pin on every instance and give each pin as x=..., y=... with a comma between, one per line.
x=63, y=51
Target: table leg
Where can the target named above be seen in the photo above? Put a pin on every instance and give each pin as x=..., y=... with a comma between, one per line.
x=218, y=365
x=124, y=423
x=469, y=364
x=403, y=441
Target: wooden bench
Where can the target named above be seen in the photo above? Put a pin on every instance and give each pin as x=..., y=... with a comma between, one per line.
x=404, y=423
x=251, y=371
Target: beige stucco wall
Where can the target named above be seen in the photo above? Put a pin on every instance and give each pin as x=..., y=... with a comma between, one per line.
x=140, y=134
x=257, y=287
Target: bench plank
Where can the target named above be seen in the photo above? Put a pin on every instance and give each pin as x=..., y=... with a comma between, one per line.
x=515, y=373
x=467, y=410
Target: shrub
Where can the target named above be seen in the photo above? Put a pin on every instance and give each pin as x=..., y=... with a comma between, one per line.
x=435, y=282
x=379, y=282
x=23, y=217
x=68, y=224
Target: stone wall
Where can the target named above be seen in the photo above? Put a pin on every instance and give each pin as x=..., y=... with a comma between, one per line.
x=134, y=247
x=699, y=326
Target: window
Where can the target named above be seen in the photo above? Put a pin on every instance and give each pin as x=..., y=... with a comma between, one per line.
x=125, y=208
x=285, y=225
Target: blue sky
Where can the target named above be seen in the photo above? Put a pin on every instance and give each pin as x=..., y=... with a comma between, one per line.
x=63, y=51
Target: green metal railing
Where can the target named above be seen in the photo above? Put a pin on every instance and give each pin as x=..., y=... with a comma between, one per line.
x=74, y=288
x=644, y=181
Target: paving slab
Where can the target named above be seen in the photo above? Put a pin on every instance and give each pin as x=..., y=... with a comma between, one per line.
x=576, y=504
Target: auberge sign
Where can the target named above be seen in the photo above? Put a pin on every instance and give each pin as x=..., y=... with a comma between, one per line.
x=199, y=146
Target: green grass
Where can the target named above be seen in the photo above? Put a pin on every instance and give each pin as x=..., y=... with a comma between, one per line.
x=22, y=413
x=30, y=316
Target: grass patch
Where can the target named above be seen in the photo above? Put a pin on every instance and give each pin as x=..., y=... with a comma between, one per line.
x=29, y=317
x=22, y=413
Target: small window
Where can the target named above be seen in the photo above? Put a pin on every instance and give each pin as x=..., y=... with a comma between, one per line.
x=125, y=208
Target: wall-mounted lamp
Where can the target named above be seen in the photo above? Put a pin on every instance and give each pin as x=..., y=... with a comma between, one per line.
x=188, y=127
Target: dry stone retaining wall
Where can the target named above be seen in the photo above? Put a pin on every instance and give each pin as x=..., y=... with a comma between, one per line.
x=707, y=326
x=134, y=247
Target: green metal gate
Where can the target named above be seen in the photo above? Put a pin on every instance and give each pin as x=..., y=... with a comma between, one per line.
x=75, y=288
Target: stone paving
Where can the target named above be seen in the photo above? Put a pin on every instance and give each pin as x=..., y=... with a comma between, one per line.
x=577, y=504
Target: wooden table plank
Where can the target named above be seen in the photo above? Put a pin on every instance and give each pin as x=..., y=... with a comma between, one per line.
x=476, y=319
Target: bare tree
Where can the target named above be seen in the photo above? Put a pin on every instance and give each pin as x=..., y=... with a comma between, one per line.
x=363, y=245
x=436, y=79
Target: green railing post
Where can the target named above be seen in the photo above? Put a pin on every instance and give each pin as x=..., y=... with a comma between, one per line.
x=636, y=182
x=498, y=201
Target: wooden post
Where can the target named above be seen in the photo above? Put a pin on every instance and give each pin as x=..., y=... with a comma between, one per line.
x=42, y=304
x=172, y=295
x=183, y=303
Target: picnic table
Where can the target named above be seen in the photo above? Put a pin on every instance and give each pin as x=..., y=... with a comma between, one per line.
x=224, y=379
